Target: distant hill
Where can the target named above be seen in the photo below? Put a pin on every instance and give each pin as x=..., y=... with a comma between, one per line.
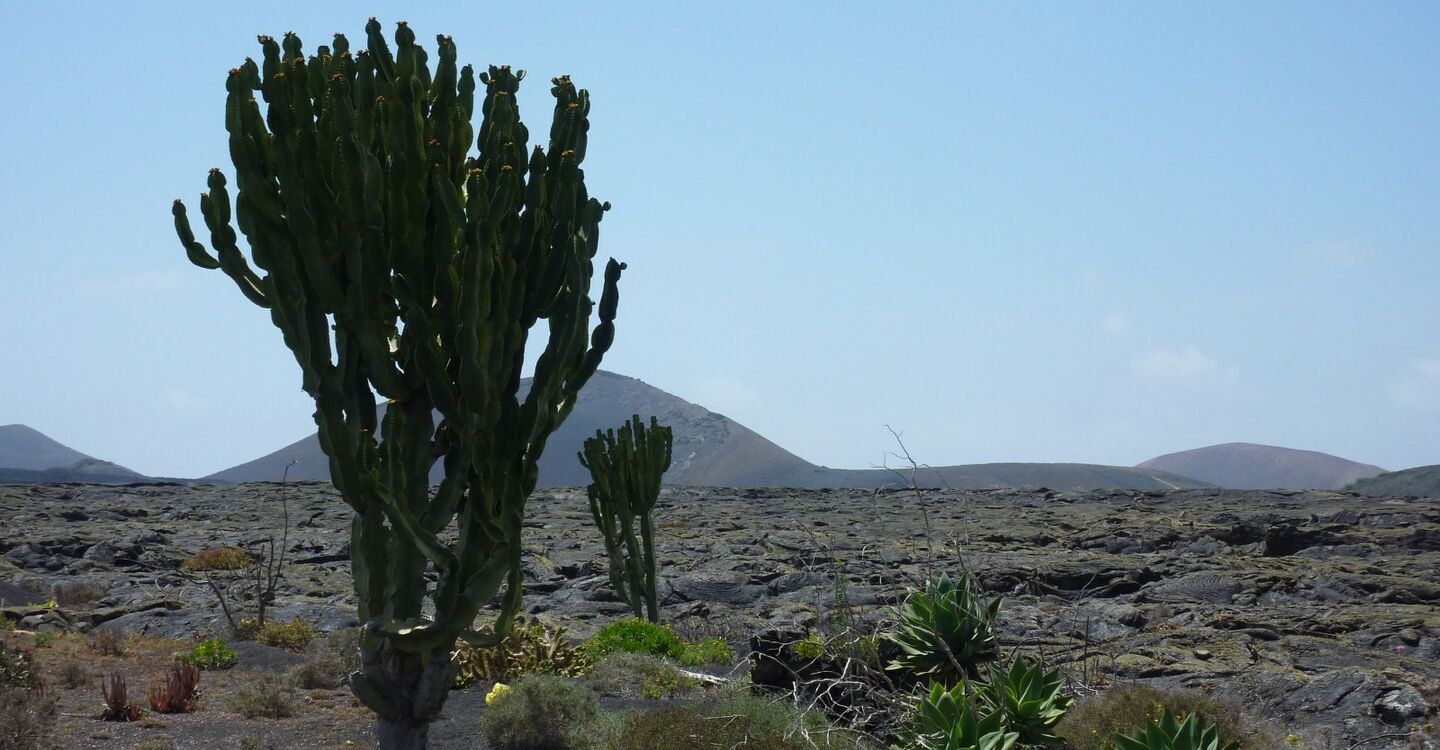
x=1421, y=481
x=27, y=455
x=1247, y=466
x=712, y=450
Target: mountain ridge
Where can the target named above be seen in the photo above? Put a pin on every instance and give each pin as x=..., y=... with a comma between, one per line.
x=712, y=450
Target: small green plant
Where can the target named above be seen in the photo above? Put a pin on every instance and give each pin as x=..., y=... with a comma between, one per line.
x=947, y=719
x=262, y=698
x=1168, y=733
x=212, y=653
x=16, y=670
x=217, y=558
x=809, y=648
x=946, y=630
x=44, y=638
x=529, y=648
x=706, y=652
x=539, y=712
x=1029, y=697
x=6, y=624
x=635, y=636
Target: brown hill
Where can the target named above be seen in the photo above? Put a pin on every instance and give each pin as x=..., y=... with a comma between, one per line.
x=1247, y=466
x=712, y=450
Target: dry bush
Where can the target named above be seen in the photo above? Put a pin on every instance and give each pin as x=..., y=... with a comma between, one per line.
x=178, y=691
x=77, y=593
x=108, y=643
x=217, y=558
x=293, y=635
x=1093, y=721
x=262, y=698
x=72, y=674
x=27, y=719
x=738, y=719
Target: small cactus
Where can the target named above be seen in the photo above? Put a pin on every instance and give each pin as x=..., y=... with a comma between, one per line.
x=626, y=468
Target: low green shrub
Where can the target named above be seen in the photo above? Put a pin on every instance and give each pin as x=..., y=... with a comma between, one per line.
x=809, y=648
x=212, y=653
x=7, y=624
x=1092, y=722
x=634, y=636
x=44, y=638
x=262, y=698
x=72, y=675
x=706, y=652
x=540, y=712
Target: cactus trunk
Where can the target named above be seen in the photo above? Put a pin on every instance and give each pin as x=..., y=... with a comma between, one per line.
x=396, y=263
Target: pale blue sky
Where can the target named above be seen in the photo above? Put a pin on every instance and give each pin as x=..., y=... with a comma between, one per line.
x=1035, y=232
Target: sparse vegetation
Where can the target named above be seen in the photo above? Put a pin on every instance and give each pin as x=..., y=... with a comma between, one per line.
x=72, y=674
x=106, y=642
x=637, y=675
x=27, y=719
x=1093, y=722
x=734, y=719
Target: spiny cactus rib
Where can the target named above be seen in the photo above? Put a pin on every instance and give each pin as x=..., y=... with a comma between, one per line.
x=626, y=470
x=395, y=260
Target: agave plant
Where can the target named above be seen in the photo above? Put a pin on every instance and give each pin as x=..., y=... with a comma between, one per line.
x=947, y=720
x=1168, y=733
x=1029, y=697
x=946, y=630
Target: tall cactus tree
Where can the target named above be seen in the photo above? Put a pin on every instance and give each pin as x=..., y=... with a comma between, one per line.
x=626, y=470
x=396, y=263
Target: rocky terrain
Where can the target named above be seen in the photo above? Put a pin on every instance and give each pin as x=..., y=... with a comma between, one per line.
x=1319, y=610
